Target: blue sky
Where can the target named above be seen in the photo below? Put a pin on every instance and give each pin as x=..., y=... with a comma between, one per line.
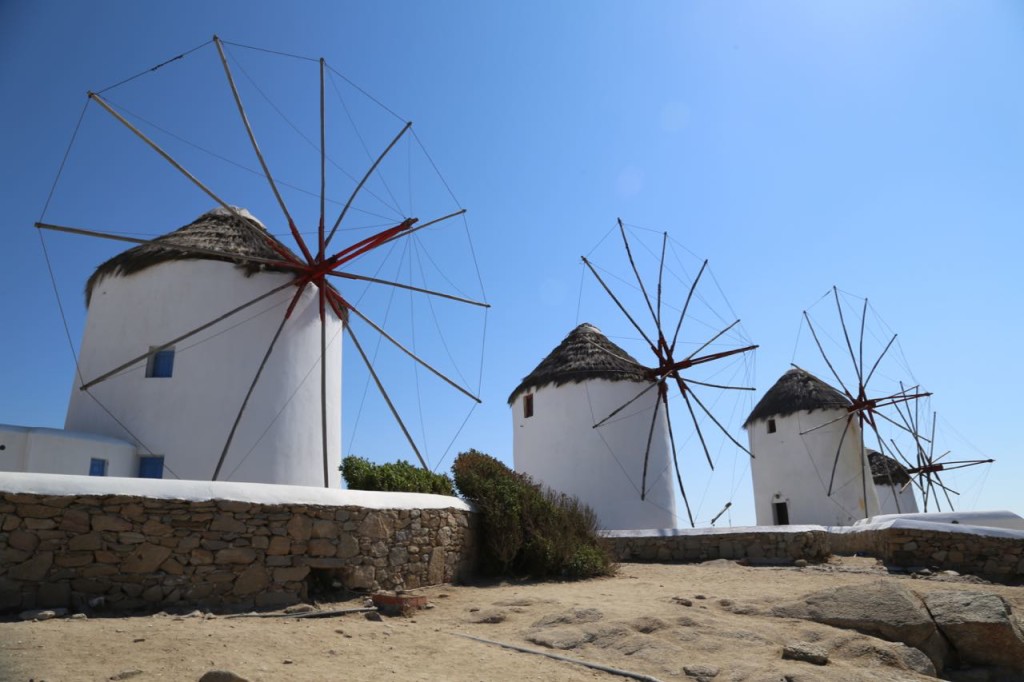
x=875, y=146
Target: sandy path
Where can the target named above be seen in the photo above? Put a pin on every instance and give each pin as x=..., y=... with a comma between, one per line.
x=632, y=621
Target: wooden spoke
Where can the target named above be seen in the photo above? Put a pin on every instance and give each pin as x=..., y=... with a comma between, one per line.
x=619, y=304
x=626, y=404
x=362, y=182
x=686, y=305
x=712, y=339
x=647, y=450
x=450, y=297
x=718, y=423
x=839, y=450
x=846, y=334
x=875, y=366
x=178, y=339
x=636, y=273
x=696, y=425
x=252, y=385
x=387, y=398
x=675, y=461
x=661, y=271
x=825, y=356
x=256, y=148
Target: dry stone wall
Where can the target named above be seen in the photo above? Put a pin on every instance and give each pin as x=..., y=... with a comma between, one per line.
x=998, y=555
x=125, y=552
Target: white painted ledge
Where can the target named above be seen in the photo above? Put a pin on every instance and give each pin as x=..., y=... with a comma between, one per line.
x=197, y=491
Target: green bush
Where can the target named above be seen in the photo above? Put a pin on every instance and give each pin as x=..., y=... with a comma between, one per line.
x=528, y=530
x=400, y=476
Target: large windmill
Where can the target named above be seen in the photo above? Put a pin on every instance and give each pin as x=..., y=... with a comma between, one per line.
x=239, y=275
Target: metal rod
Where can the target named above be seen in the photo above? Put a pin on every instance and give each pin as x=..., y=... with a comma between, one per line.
x=179, y=339
x=450, y=297
x=722, y=386
x=842, y=322
x=625, y=405
x=719, y=425
x=322, y=295
x=167, y=243
x=363, y=182
x=675, y=461
x=875, y=366
x=252, y=140
x=827, y=361
x=423, y=226
x=412, y=355
x=712, y=339
x=252, y=386
x=323, y=168
x=387, y=398
x=839, y=450
x=167, y=157
x=619, y=304
x=686, y=305
x=636, y=273
x=647, y=450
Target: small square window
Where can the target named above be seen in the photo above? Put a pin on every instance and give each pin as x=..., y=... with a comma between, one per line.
x=527, y=406
x=151, y=466
x=97, y=467
x=160, y=363
x=771, y=426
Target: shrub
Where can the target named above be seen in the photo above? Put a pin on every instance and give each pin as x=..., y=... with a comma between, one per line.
x=528, y=530
x=400, y=476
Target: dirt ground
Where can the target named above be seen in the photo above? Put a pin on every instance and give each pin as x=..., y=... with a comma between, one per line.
x=668, y=622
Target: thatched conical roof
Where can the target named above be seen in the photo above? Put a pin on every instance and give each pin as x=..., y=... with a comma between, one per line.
x=796, y=390
x=885, y=469
x=584, y=354
x=218, y=230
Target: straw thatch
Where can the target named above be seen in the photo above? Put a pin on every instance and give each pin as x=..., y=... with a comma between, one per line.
x=886, y=470
x=584, y=354
x=796, y=390
x=218, y=230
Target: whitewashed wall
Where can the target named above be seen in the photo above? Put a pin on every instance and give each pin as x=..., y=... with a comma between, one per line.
x=55, y=451
x=559, y=447
x=187, y=417
x=793, y=468
x=892, y=500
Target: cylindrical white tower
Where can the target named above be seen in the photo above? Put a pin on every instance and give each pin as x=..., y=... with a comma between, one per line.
x=796, y=434
x=180, y=405
x=554, y=411
x=893, y=485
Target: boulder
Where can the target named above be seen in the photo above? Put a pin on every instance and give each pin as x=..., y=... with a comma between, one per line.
x=880, y=609
x=980, y=627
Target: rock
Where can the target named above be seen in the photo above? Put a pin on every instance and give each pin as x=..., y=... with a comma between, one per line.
x=980, y=627
x=560, y=638
x=300, y=608
x=221, y=676
x=42, y=614
x=683, y=601
x=374, y=616
x=32, y=570
x=489, y=616
x=648, y=624
x=146, y=558
x=703, y=673
x=883, y=610
x=800, y=563
x=126, y=675
x=251, y=580
x=574, y=616
x=805, y=651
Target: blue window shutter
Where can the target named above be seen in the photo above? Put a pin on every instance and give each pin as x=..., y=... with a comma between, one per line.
x=151, y=466
x=163, y=364
x=97, y=467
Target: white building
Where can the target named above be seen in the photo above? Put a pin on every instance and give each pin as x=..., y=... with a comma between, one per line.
x=798, y=433
x=178, y=406
x=554, y=410
x=893, y=485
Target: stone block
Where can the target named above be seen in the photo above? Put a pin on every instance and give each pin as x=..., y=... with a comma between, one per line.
x=23, y=540
x=253, y=579
x=87, y=541
x=320, y=547
x=109, y=522
x=106, y=557
x=300, y=527
x=376, y=526
x=172, y=567
x=37, y=511
x=145, y=558
x=435, y=569
x=154, y=528
x=233, y=506
x=348, y=546
x=153, y=595
x=75, y=520
x=290, y=574
x=235, y=555
x=39, y=524
x=33, y=569
x=324, y=529
x=279, y=545
x=10, y=522
x=226, y=523
x=73, y=559
x=359, y=578
x=131, y=538
x=260, y=542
